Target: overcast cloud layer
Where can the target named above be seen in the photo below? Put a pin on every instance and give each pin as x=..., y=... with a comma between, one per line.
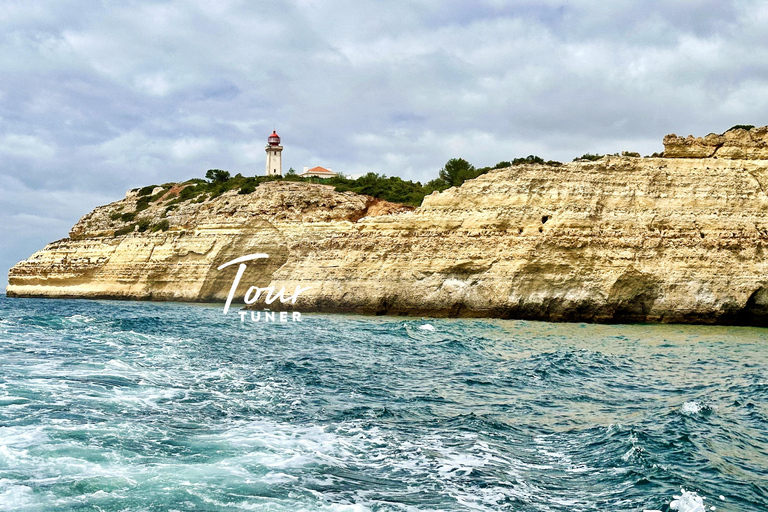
x=100, y=97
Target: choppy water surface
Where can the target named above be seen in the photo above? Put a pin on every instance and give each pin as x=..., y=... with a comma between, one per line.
x=140, y=406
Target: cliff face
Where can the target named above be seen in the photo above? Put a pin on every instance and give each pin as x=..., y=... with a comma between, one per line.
x=180, y=261
x=736, y=144
x=619, y=239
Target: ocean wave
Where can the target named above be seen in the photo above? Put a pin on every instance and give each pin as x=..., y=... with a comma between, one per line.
x=129, y=406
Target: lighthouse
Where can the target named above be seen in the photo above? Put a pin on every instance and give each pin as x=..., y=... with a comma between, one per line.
x=274, y=160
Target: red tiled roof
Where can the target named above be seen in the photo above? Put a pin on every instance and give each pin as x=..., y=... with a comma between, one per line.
x=320, y=170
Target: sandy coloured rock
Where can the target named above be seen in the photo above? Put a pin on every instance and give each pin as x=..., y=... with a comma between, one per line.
x=618, y=239
x=735, y=144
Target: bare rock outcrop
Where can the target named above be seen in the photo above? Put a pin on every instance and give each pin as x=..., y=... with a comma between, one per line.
x=736, y=144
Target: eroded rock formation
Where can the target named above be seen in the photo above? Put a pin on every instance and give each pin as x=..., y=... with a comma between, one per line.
x=618, y=239
x=736, y=144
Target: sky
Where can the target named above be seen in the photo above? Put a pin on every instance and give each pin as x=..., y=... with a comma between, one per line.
x=100, y=96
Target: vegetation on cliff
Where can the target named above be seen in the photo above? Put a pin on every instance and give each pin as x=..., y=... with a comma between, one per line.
x=168, y=197
x=389, y=188
x=746, y=127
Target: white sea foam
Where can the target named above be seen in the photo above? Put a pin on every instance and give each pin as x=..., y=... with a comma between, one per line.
x=691, y=407
x=688, y=501
x=22, y=437
x=281, y=446
x=10, y=455
x=285, y=448
x=427, y=327
x=14, y=497
x=5, y=328
x=80, y=319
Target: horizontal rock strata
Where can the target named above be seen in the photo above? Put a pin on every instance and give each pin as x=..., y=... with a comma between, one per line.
x=736, y=144
x=618, y=239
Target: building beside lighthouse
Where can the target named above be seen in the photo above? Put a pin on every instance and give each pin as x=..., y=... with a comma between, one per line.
x=317, y=172
x=274, y=158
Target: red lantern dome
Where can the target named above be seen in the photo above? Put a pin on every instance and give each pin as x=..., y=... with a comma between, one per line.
x=274, y=139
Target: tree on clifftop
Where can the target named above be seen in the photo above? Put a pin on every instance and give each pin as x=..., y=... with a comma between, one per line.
x=217, y=175
x=456, y=172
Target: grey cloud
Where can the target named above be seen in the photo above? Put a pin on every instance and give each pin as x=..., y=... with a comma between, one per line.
x=100, y=97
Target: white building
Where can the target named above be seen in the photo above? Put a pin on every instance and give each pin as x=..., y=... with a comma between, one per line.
x=317, y=172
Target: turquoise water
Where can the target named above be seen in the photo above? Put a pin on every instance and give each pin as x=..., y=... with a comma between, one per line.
x=109, y=406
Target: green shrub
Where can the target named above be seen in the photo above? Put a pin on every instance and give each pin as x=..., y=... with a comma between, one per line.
x=191, y=191
x=157, y=196
x=143, y=225
x=436, y=185
x=142, y=204
x=247, y=189
x=589, y=156
x=115, y=216
x=125, y=230
x=145, y=191
x=530, y=159
x=740, y=127
x=217, y=175
x=163, y=225
x=630, y=154
x=392, y=189
x=127, y=216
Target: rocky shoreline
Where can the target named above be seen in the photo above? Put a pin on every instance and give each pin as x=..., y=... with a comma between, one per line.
x=620, y=239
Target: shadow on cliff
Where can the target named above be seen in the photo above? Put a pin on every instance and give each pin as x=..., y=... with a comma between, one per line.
x=632, y=297
x=754, y=313
x=258, y=237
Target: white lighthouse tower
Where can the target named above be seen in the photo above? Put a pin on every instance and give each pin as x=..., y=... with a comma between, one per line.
x=274, y=159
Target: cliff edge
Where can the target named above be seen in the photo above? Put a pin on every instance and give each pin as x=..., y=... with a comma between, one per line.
x=738, y=143
x=678, y=239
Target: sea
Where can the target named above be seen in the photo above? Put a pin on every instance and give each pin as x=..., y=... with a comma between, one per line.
x=141, y=406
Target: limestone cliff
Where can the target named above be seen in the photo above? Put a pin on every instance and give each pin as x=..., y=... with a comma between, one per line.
x=618, y=239
x=736, y=143
x=170, y=248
